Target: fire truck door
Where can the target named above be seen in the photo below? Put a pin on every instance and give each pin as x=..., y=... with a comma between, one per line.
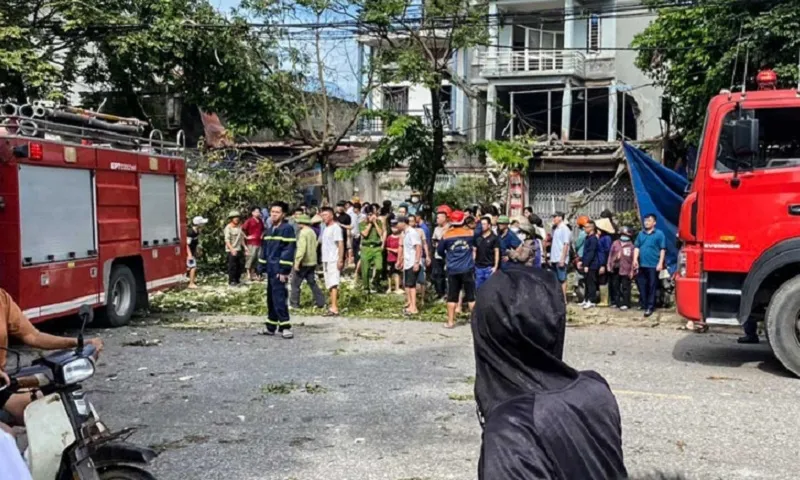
x=754, y=205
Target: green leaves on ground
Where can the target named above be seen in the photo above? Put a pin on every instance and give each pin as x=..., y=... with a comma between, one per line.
x=286, y=388
x=460, y=397
x=214, y=296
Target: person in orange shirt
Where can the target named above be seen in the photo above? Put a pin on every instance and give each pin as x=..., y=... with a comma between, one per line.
x=14, y=324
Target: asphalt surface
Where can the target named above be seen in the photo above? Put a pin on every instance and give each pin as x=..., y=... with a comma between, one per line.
x=390, y=400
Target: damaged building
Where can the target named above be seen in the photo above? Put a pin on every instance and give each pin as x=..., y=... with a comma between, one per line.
x=567, y=80
x=571, y=83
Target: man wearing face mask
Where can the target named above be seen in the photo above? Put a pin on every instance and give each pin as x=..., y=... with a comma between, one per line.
x=508, y=239
x=620, y=263
x=541, y=418
x=414, y=203
x=515, y=227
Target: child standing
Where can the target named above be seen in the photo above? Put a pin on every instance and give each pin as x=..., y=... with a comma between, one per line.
x=392, y=249
x=620, y=268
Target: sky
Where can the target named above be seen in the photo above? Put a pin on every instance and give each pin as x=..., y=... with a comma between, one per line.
x=339, y=56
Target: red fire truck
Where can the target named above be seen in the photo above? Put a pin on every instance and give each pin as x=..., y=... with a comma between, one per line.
x=90, y=211
x=740, y=223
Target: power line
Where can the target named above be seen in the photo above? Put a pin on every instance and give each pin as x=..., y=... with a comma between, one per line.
x=633, y=9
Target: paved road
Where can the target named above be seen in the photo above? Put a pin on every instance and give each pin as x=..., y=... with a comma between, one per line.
x=384, y=401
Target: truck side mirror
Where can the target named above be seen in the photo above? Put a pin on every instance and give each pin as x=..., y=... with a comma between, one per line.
x=745, y=137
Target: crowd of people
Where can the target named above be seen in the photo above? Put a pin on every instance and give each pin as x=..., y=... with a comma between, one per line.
x=393, y=249
x=513, y=271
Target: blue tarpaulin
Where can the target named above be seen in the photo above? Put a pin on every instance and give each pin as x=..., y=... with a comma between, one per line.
x=658, y=190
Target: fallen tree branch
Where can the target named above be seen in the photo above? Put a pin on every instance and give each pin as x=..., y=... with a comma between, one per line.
x=602, y=188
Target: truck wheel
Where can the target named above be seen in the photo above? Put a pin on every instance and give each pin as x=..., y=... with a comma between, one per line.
x=782, y=324
x=121, y=297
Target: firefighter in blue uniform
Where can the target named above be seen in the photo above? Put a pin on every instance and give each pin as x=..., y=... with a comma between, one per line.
x=276, y=260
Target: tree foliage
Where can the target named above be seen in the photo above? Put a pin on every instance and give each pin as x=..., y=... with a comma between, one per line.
x=469, y=191
x=133, y=48
x=406, y=142
x=223, y=180
x=416, y=42
x=691, y=51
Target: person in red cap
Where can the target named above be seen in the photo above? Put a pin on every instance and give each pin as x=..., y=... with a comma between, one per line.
x=437, y=272
x=456, y=248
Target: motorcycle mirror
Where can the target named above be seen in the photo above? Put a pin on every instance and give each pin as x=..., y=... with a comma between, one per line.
x=86, y=312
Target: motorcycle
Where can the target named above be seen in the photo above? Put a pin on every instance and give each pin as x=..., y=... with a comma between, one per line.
x=66, y=439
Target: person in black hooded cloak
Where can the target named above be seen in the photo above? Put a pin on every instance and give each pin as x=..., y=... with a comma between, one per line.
x=541, y=418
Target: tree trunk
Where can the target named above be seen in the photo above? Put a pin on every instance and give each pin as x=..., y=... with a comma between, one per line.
x=326, y=175
x=437, y=125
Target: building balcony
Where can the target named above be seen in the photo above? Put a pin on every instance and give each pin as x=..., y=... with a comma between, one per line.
x=526, y=62
x=376, y=127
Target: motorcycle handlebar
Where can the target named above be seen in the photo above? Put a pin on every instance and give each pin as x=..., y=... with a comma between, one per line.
x=19, y=383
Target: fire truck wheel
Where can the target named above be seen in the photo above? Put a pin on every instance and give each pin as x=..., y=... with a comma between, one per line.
x=121, y=297
x=783, y=325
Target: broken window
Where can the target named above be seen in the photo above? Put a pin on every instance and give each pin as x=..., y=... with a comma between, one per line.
x=589, y=114
x=395, y=99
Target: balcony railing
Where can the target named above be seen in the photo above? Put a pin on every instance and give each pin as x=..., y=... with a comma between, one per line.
x=508, y=62
x=376, y=126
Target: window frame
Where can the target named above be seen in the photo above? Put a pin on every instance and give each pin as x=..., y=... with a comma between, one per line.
x=599, y=32
x=729, y=171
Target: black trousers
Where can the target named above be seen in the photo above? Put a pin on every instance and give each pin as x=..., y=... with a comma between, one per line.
x=235, y=267
x=624, y=298
x=277, y=306
x=648, y=284
x=591, y=284
x=613, y=288
x=438, y=277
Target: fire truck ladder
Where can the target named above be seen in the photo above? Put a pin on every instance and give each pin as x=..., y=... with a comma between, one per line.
x=48, y=121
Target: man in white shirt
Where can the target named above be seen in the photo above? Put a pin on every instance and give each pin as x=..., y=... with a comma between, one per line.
x=333, y=255
x=410, y=261
x=438, y=274
x=355, y=221
x=559, y=250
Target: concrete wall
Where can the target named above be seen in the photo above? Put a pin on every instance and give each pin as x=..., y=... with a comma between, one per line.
x=648, y=99
x=364, y=186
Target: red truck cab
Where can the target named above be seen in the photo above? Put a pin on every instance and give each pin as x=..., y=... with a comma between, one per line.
x=740, y=222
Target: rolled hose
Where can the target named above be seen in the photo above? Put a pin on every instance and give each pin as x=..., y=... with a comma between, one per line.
x=92, y=122
x=25, y=110
x=9, y=109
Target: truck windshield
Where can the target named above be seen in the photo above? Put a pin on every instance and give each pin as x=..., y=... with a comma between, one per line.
x=778, y=139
